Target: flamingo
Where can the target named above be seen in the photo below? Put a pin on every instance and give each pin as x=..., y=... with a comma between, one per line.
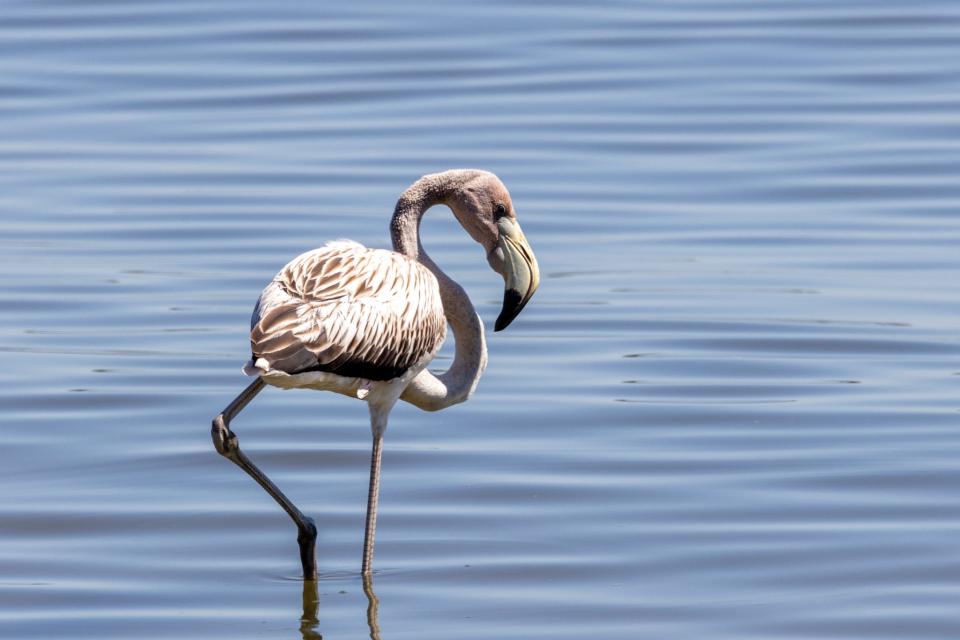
x=366, y=322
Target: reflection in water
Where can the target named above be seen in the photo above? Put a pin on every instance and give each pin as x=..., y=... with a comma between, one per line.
x=372, y=606
x=311, y=606
x=310, y=620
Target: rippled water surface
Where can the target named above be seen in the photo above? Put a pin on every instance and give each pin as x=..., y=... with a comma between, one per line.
x=731, y=411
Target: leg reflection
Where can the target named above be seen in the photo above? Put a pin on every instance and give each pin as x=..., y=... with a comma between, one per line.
x=310, y=620
x=372, y=605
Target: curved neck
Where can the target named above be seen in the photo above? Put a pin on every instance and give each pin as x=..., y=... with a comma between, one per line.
x=427, y=391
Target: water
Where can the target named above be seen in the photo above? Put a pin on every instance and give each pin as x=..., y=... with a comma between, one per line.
x=731, y=410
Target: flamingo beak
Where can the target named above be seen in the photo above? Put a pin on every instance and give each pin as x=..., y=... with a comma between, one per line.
x=521, y=274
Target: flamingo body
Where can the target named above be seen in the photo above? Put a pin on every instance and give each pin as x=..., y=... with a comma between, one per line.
x=346, y=318
x=366, y=322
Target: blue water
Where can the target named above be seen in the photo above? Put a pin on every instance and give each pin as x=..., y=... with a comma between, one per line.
x=730, y=412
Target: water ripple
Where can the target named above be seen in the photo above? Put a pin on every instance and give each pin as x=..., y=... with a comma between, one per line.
x=730, y=412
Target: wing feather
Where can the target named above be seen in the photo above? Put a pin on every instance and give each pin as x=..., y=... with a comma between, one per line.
x=349, y=310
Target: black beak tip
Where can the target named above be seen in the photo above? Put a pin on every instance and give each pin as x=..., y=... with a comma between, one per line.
x=513, y=303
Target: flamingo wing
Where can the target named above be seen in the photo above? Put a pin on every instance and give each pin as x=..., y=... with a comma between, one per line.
x=349, y=310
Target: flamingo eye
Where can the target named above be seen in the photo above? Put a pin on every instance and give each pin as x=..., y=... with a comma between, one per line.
x=500, y=210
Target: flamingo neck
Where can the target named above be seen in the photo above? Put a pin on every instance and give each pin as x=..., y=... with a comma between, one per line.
x=428, y=391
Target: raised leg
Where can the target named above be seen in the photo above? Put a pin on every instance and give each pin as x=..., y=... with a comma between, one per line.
x=373, y=496
x=228, y=446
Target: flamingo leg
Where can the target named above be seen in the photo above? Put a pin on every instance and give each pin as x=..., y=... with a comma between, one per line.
x=373, y=497
x=228, y=446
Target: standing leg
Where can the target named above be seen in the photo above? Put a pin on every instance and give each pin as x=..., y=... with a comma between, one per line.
x=373, y=496
x=228, y=446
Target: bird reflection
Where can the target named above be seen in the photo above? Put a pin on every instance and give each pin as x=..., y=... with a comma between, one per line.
x=310, y=619
x=373, y=604
x=311, y=607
